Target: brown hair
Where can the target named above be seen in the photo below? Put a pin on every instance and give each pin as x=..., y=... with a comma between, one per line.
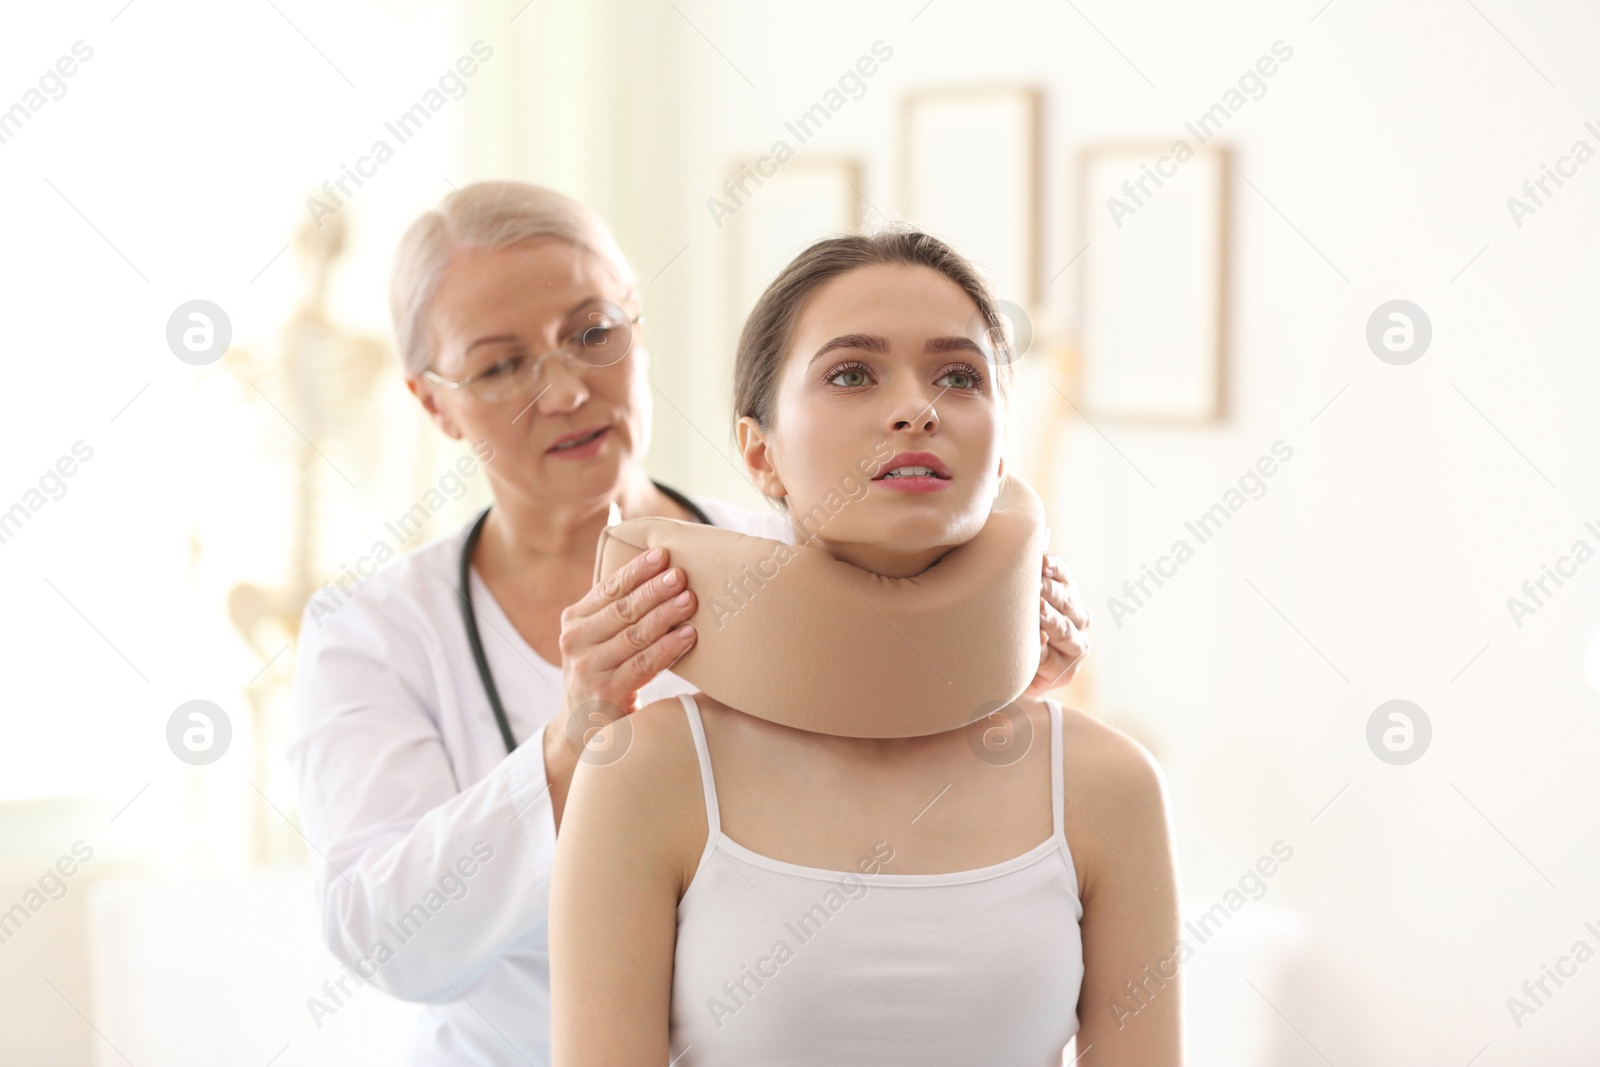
x=769, y=331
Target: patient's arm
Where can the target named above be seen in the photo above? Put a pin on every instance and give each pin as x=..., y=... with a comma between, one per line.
x=1119, y=829
x=632, y=830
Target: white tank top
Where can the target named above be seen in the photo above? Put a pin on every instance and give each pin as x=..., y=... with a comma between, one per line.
x=781, y=964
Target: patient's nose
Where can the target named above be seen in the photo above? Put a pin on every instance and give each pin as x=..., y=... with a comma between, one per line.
x=916, y=412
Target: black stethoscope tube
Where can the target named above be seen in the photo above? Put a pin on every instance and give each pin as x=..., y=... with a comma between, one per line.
x=470, y=618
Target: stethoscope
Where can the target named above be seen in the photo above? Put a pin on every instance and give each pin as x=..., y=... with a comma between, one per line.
x=470, y=617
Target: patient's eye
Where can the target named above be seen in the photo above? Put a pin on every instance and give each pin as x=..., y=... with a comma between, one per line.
x=966, y=377
x=857, y=372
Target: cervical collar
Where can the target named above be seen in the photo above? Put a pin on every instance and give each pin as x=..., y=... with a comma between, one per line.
x=789, y=634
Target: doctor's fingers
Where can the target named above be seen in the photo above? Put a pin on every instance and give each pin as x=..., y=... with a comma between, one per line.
x=1060, y=656
x=624, y=580
x=1060, y=593
x=632, y=633
x=637, y=671
x=604, y=642
x=622, y=629
x=1061, y=634
x=614, y=604
x=616, y=665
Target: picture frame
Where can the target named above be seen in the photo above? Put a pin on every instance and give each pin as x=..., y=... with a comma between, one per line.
x=1153, y=288
x=801, y=201
x=971, y=173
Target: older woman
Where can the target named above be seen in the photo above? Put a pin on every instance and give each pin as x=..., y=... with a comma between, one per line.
x=441, y=712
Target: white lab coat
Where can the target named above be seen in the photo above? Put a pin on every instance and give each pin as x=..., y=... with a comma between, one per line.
x=430, y=847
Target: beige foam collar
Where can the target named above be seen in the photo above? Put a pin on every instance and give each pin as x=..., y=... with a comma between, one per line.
x=790, y=634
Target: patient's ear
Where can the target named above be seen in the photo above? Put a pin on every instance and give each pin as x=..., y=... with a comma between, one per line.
x=754, y=446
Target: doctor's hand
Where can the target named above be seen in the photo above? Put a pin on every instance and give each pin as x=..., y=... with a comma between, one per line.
x=1063, y=626
x=628, y=628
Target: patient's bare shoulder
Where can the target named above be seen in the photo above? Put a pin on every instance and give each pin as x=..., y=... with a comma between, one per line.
x=1116, y=796
x=643, y=771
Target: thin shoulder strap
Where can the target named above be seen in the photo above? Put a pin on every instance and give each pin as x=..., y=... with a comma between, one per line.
x=691, y=708
x=1058, y=795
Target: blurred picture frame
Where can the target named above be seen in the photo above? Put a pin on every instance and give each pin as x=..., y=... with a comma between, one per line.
x=971, y=173
x=799, y=202
x=1153, y=291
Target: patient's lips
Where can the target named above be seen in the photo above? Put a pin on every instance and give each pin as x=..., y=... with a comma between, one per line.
x=913, y=472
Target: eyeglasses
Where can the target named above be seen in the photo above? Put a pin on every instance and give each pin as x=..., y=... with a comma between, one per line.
x=606, y=339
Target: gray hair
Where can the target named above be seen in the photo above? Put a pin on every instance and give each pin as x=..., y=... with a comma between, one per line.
x=484, y=215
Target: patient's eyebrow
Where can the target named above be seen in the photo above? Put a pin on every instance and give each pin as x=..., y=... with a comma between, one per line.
x=953, y=344
x=865, y=342
x=869, y=343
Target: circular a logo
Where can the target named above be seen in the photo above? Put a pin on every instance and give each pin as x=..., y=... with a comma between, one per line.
x=198, y=332
x=198, y=732
x=1399, y=332
x=584, y=737
x=1000, y=733
x=1399, y=732
x=1006, y=340
x=606, y=337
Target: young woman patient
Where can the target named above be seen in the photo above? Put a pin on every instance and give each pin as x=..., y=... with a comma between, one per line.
x=733, y=891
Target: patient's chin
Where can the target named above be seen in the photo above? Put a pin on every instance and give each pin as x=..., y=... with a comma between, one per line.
x=903, y=556
x=888, y=534
x=914, y=533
